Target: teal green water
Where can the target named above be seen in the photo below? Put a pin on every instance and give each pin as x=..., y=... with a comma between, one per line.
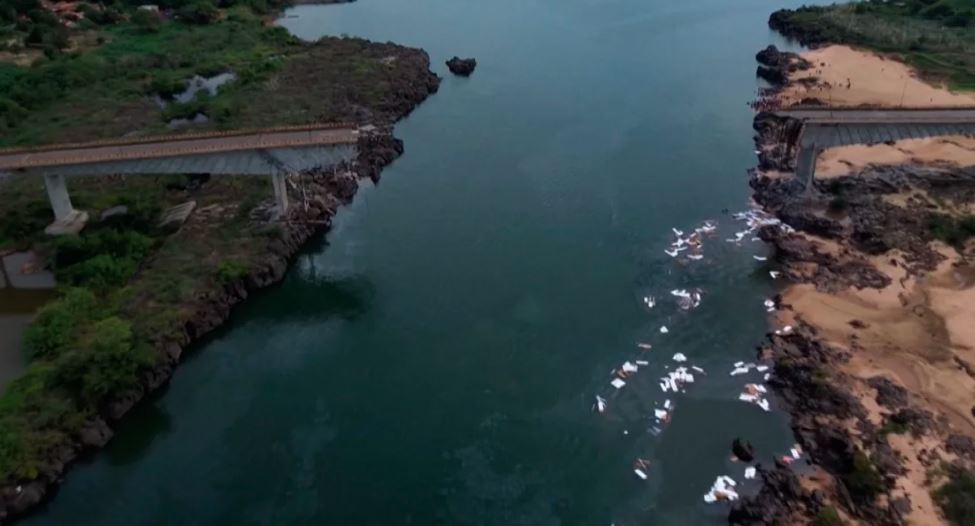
x=436, y=359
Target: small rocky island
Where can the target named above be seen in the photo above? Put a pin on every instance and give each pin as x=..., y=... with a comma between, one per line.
x=462, y=66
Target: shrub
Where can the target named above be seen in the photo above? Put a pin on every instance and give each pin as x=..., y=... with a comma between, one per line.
x=108, y=363
x=147, y=21
x=127, y=244
x=199, y=12
x=863, y=480
x=57, y=322
x=166, y=85
x=99, y=273
x=827, y=516
x=957, y=497
x=230, y=271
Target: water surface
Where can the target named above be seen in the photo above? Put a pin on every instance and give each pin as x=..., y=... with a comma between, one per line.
x=435, y=362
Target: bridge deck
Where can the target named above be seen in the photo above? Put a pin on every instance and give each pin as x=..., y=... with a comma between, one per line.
x=830, y=127
x=176, y=146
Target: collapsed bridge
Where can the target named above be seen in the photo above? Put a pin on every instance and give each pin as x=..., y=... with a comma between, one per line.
x=275, y=152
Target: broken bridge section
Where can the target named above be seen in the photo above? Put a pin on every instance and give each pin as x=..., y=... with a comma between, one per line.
x=831, y=127
x=275, y=152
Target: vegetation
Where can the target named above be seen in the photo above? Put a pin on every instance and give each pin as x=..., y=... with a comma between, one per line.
x=827, y=516
x=862, y=478
x=951, y=230
x=125, y=287
x=957, y=496
x=935, y=36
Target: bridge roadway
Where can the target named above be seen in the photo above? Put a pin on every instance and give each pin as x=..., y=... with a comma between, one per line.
x=830, y=127
x=275, y=152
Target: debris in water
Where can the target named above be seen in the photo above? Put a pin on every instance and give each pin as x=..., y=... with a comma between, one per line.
x=750, y=473
x=679, y=357
x=759, y=258
x=663, y=329
x=600, y=403
x=644, y=346
x=722, y=489
x=639, y=472
x=617, y=383
x=774, y=274
x=629, y=367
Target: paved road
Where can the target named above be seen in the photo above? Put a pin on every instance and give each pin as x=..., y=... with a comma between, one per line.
x=889, y=116
x=175, y=146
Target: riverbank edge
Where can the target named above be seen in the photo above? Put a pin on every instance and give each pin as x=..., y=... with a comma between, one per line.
x=378, y=148
x=828, y=416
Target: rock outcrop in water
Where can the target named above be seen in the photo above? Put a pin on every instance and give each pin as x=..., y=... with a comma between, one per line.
x=462, y=66
x=775, y=66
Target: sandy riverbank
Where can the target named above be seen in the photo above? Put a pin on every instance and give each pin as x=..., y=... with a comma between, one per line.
x=949, y=151
x=885, y=344
x=843, y=76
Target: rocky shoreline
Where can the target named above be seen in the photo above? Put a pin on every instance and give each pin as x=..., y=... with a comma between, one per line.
x=324, y=192
x=842, y=227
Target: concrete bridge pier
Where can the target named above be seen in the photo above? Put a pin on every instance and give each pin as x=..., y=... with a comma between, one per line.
x=67, y=220
x=280, y=183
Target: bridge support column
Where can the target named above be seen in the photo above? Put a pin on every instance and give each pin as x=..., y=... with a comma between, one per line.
x=67, y=220
x=280, y=184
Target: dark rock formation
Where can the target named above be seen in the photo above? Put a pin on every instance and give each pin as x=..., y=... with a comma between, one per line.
x=743, y=450
x=775, y=66
x=462, y=66
x=780, y=498
x=889, y=394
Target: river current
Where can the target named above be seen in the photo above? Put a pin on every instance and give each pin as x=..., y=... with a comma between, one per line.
x=437, y=357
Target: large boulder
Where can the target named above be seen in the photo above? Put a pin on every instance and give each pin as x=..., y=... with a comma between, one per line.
x=462, y=66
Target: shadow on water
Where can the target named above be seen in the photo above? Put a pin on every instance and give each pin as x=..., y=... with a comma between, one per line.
x=142, y=428
x=346, y=298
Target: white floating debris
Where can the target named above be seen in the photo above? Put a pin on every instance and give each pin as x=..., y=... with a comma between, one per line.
x=695, y=257
x=600, y=403
x=649, y=301
x=667, y=404
x=640, y=473
x=663, y=329
x=698, y=369
x=774, y=274
x=660, y=414
x=642, y=362
x=629, y=367
x=680, y=293
x=617, y=383
x=739, y=370
x=787, y=329
x=769, y=304
x=679, y=357
x=759, y=258
x=767, y=376
x=677, y=233
x=738, y=364
x=671, y=253
x=760, y=368
x=750, y=473
x=795, y=453
x=722, y=489
x=763, y=403
x=644, y=346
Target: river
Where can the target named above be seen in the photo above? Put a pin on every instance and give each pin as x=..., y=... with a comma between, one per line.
x=436, y=360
